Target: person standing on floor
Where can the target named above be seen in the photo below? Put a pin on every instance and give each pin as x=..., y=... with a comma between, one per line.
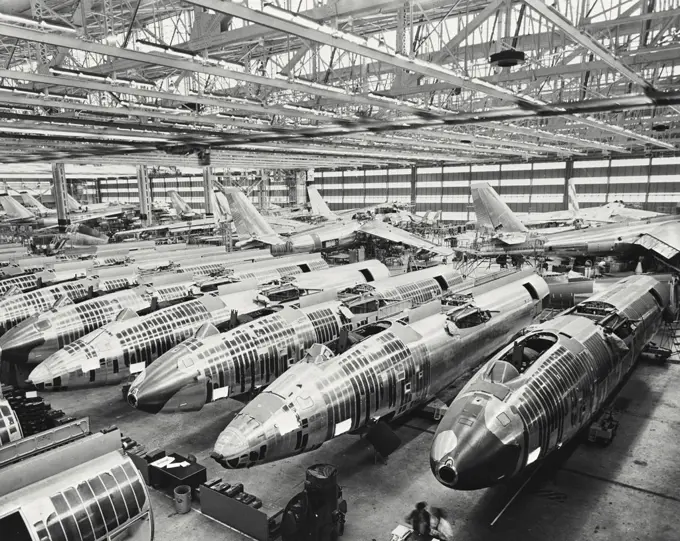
x=440, y=528
x=420, y=519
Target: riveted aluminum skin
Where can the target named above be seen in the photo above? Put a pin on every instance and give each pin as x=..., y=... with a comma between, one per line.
x=383, y=377
x=253, y=355
x=538, y=392
x=104, y=357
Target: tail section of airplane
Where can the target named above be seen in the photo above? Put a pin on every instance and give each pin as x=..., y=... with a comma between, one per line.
x=180, y=205
x=220, y=207
x=572, y=200
x=14, y=209
x=247, y=220
x=319, y=206
x=492, y=211
x=37, y=205
x=72, y=204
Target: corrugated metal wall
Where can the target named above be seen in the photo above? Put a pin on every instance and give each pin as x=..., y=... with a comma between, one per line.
x=650, y=183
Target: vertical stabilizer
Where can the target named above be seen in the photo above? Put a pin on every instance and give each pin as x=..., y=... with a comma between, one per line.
x=180, y=205
x=319, y=206
x=31, y=201
x=572, y=200
x=72, y=203
x=221, y=206
x=492, y=211
x=247, y=220
x=14, y=209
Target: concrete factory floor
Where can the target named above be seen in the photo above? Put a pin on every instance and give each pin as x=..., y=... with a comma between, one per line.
x=629, y=490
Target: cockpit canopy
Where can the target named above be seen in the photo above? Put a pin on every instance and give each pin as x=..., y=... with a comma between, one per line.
x=520, y=356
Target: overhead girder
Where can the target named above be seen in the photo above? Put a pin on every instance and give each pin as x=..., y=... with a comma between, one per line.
x=531, y=42
x=73, y=82
x=561, y=22
x=632, y=58
x=493, y=115
x=194, y=66
x=296, y=25
x=460, y=37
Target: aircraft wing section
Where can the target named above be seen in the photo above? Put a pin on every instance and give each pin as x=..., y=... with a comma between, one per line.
x=512, y=238
x=319, y=206
x=85, y=218
x=492, y=211
x=284, y=226
x=394, y=234
x=598, y=214
x=663, y=239
x=244, y=302
x=248, y=221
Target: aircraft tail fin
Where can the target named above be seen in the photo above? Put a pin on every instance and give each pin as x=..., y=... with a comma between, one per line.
x=319, y=206
x=72, y=203
x=33, y=202
x=221, y=206
x=248, y=221
x=492, y=211
x=181, y=206
x=572, y=200
x=14, y=209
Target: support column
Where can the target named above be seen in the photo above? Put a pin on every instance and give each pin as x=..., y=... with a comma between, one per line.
x=310, y=180
x=414, y=176
x=59, y=180
x=568, y=174
x=98, y=190
x=301, y=188
x=208, y=191
x=264, y=193
x=145, y=200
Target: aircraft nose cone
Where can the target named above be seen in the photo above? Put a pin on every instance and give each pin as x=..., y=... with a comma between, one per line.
x=479, y=459
x=41, y=374
x=443, y=448
x=16, y=344
x=62, y=363
x=157, y=384
x=232, y=448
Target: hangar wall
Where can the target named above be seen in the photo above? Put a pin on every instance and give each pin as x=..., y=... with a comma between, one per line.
x=528, y=187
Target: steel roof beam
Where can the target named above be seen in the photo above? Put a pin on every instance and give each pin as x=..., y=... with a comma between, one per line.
x=580, y=37
x=293, y=23
x=411, y=141
x=73, y=82
x=173, y=62
x=460, y=37
x=542, y=134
